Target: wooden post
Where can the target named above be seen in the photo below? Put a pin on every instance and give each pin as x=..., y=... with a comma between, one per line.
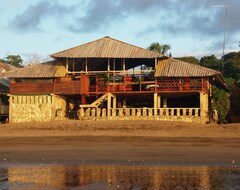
x=124, y=103
x=108, y=67
x=124, y=75
x=204, y=107
x=83, y=99
x=86, y=65
x=155, y=103
x=108, y=71
x=158, y=101
x=73, y=65
x=140, y=78
x=109, y=100
x=155, y=82
x=114, y=105
x=67, y=65
x=114, y=68
x=10, y=109
x=156, y=62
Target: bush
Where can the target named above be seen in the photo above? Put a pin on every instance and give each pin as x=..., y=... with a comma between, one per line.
x=221, y=103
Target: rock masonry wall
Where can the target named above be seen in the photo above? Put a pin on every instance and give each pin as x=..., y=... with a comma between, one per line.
x=30, y=108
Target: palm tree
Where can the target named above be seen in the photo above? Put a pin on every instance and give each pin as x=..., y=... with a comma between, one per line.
x=163, y=49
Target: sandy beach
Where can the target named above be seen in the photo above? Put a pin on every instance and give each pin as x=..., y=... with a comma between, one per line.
x=152, y=142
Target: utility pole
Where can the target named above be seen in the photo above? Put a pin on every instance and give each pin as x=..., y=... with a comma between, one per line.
x=224, y=34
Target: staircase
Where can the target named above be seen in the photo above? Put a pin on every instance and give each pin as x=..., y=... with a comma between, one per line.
x=97, y=102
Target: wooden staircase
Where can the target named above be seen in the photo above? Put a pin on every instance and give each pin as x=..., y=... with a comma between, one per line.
x=97, y=102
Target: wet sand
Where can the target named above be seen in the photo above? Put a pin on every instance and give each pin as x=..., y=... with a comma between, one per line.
x=139, y=142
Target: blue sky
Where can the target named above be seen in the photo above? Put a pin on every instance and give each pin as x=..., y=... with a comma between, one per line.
x=191, y=27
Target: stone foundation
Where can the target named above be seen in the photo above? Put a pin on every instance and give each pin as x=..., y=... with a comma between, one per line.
x=30, y=108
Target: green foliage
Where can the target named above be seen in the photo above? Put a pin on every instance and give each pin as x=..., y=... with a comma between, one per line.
x=211, y=62
x=230, y=83
x=14, y=60
x=189, y=59
x=107, y=78
x=163, y=49
x=221, y=103
x=232, y=65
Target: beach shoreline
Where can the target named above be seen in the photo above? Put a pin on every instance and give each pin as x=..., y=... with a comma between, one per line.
x=152, y=142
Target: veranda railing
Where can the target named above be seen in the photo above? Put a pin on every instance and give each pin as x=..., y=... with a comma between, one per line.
x=138, y=113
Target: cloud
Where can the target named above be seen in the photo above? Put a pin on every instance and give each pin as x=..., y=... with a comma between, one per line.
x=31, y=18
x=199, y=18
x=172, y=17
x=102, y=13
x=99, y=14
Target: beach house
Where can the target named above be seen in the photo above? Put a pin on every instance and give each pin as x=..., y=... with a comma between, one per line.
x=111, y=79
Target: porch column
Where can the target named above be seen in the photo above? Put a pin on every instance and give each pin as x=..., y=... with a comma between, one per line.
x=155, y=103
x=86, y=65
x=109, y=101
x=108, y=68
x=83, y=99
x=158, y=101
x=124, y=75
x=67, y=65
x=114, y=102
x=10, y=108
x=204, y=114
x=114, y=106
x=124, y=103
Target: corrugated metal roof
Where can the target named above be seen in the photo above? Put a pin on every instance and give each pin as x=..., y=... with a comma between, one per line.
x=106, y=48
x=44, y=70
x=175, y=68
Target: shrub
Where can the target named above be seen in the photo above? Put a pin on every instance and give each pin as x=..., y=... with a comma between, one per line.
x=221, y=103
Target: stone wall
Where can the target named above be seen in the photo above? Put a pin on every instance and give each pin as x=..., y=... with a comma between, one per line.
x=29, y=108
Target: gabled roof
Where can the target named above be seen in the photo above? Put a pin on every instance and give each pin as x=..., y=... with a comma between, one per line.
x=106, y=48
x=176, y=68
x=6, y=67
x=43, y=70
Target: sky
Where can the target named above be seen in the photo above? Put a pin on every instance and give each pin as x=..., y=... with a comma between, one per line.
x=191, y=27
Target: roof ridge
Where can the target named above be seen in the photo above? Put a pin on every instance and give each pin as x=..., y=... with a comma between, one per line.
x=129, y=44
x=54, y=55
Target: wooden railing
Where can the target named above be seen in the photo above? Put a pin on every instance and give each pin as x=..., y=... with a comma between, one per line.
x=150, y=86
x=57, y=87
x=26, y=88
x=171, y=114
x=67, y=87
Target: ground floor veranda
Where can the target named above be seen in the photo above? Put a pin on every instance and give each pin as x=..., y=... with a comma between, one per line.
x=188, y=107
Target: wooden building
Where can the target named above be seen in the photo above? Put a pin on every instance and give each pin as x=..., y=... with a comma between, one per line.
x=110, y=79
x=4, y=90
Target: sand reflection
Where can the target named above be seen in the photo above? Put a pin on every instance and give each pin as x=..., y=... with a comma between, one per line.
x=118, y=177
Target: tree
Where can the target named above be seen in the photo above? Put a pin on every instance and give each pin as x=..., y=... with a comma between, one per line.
x=34, y=58
x=189, y=59
x=221, y=103
x=14, y=60
x=163, y=49
x=232, y=65
x=211, y=62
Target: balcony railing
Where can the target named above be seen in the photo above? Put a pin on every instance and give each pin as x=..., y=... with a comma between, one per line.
x=128, y=84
